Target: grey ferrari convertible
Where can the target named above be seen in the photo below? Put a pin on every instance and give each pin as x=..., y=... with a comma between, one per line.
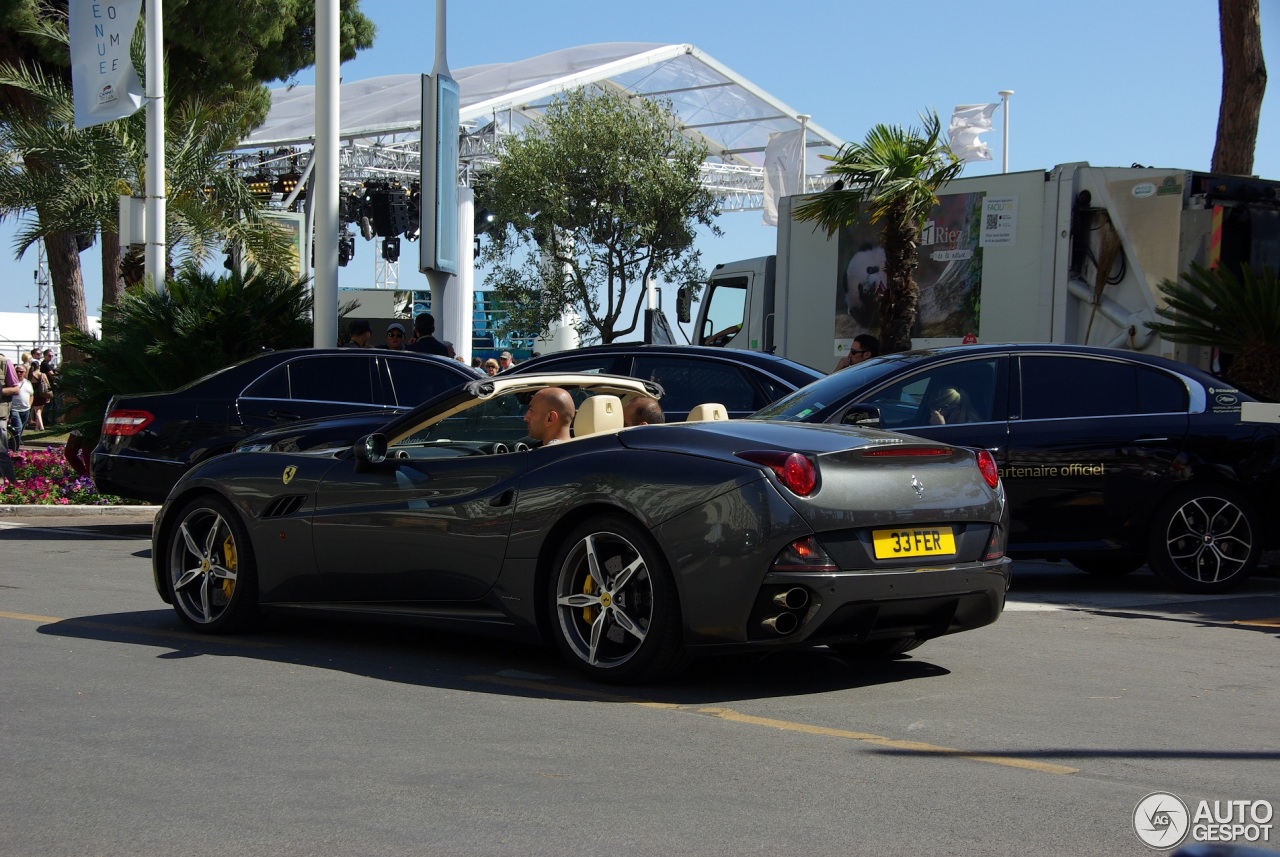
x=630, y=548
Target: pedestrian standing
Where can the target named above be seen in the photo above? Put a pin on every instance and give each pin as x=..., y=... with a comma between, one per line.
x=20, y=404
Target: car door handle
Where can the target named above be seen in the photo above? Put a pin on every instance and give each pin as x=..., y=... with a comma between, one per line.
x=503, y=499
x=283, y=415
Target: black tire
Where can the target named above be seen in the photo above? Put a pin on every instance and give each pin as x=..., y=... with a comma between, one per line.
x=1108, y=565
x=209, y=568
x=876, y=649
x=625, y=628
x=1205, y=539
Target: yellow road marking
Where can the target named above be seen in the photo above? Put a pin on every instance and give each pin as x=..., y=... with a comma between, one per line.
x=1261, y=623
x=30, y=617
x=787, y=725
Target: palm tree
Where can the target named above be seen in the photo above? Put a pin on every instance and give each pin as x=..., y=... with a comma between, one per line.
x=892, y=178
x=1239, y=315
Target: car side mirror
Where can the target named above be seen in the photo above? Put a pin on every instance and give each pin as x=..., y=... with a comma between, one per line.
x=863, y=416
x=371, y=449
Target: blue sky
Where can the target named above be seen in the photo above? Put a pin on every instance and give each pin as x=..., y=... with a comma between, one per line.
x=1111, y=82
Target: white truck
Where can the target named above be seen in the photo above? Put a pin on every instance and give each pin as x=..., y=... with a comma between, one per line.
x=1074, y=254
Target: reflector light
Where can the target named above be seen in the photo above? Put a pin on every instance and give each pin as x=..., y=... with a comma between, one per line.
x=804, y=555
x=795, y=471
x=987, y=464
x=126, y=423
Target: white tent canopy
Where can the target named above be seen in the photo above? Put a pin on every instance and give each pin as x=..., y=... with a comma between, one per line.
x=381, y=117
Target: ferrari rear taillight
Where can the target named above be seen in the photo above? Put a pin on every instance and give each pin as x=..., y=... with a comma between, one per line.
x=908, y=452
x=795, y=471
x=122, y=423
x=987, y=464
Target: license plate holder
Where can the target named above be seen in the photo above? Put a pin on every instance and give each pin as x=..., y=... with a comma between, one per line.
x=907, y=542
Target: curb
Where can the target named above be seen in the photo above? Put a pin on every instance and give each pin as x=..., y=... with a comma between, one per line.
x=75, y=510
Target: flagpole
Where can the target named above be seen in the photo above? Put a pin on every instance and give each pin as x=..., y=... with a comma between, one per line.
x=155, y=258
x=804, y=140
x=1004, y=100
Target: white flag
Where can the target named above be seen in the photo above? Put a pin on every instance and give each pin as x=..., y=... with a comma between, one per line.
x=783, y=159
x=104, y=84
x=967, y=122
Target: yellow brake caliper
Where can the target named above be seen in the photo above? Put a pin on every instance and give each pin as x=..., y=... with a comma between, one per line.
x=229, y=558
x=589, y=588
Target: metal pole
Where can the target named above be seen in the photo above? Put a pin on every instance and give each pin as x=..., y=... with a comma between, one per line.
x=155, y=258
x=1004, y=100
x=804, y=148
x=324, y=313
x=439, y=280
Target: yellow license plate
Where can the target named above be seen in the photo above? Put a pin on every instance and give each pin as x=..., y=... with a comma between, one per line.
x=913, y=541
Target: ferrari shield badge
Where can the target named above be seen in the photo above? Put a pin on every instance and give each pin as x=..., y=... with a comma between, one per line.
x=288, y=474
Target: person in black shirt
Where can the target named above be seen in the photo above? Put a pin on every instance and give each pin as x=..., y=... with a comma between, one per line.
x=424, y=329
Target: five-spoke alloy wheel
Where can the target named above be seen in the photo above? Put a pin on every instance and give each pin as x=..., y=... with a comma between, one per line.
x=209, y=567
x=1205, y=539
x=616, y=613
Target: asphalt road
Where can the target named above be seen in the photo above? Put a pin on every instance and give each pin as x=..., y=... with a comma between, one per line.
x=121, y=733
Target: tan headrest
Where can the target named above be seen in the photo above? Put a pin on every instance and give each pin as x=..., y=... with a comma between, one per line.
x=597, y=414
x=707, y=412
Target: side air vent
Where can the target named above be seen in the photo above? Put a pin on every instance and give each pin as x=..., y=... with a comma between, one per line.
x=283, y=507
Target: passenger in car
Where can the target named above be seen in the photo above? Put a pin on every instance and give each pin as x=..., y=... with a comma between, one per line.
x=642, y=411
x=550, y=414
x=952, y=406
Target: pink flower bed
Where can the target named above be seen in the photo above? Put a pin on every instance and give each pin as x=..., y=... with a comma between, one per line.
x=46, y=479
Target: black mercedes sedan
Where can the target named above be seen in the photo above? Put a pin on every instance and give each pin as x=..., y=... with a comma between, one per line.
x=151, y=439
x=741, y=381
x=1111, y=459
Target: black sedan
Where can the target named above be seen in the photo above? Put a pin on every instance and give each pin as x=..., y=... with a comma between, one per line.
x=151, y=439
x=742, y=381
x=1110, y=458
x=630, y=548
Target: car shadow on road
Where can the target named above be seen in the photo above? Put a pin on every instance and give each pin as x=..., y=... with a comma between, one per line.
x=427, y=657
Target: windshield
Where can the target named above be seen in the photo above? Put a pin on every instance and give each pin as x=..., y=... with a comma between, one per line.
x=837, y=387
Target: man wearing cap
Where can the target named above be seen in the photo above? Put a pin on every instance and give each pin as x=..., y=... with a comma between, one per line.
x=505, y=361
x=395, y=336
x=358, y=333
x=424, y=329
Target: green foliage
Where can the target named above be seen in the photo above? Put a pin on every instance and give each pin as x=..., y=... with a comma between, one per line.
x=599, y=197
x=82, y=173
x=200, y=324
x=892, y=178
x=1240, y=315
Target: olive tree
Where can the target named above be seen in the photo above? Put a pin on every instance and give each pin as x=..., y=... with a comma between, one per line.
x=602, y=195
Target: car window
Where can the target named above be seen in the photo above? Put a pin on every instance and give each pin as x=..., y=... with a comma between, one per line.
x=332, y=378
x=273, y=385
x=1057, y=387
x=498, y=419
x=592, y=364
x=692, y=381
x=415, y=381
x=950, y=394
x=773, y=389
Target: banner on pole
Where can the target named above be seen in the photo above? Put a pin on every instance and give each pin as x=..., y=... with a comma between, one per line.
x=967, y=122
x=783, y=157
x=104, y=83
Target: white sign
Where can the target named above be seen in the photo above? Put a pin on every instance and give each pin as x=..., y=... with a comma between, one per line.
x=999, y=222
x=104, y=83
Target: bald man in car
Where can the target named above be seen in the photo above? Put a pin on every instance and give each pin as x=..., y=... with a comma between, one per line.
x=550, y=414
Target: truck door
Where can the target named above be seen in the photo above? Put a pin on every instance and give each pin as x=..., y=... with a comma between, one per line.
x=724, y=313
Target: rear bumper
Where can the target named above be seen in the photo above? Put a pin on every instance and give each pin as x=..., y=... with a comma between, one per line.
x=864, y=606
x=134, y=477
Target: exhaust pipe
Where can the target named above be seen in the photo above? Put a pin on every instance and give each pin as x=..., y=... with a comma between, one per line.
x=792, y=599
x=782, y=624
